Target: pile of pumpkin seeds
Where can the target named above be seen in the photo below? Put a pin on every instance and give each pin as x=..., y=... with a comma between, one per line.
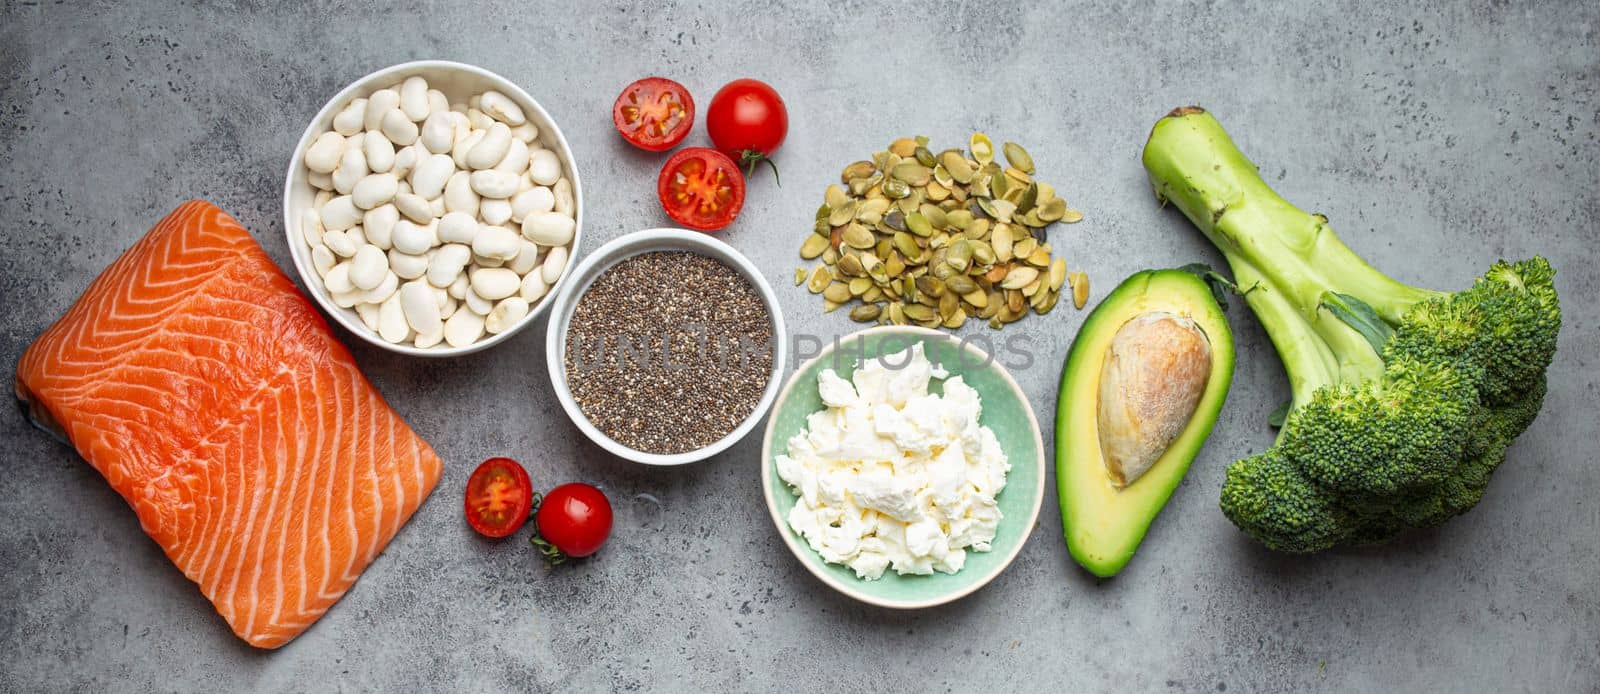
x=937, y=239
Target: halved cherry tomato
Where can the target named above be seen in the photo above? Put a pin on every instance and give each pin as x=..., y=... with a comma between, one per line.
x=747, y=120
x=701, y=188
x=654, y=113
x=499, y=497
x=573, y=520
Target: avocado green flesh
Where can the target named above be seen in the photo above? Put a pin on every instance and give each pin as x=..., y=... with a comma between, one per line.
x=1104, y=524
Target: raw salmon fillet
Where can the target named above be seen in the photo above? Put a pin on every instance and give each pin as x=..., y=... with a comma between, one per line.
x=210, y=394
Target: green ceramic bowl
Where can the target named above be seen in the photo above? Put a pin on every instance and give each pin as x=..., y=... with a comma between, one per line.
x=1005, y=410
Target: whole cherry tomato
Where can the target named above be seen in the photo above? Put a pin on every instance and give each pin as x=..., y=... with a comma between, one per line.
x=573, y=520
x=747, y=120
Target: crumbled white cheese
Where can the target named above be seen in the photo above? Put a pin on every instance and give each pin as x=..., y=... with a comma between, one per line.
x=890, y=476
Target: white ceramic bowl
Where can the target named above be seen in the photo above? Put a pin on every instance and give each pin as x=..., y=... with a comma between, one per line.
x=626, y=247
x=458, y=81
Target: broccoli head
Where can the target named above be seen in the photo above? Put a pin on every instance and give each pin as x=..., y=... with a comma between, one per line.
x=1404, y=400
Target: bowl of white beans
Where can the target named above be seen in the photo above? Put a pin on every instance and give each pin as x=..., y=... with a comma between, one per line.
x=432, y=207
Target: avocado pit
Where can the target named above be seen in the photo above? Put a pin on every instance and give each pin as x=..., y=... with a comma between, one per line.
x=1154, y=372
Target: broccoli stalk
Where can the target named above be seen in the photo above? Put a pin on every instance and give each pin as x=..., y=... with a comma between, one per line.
x=1403, y=399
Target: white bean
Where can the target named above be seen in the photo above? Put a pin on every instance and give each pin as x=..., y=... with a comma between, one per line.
x=524, y=184
x=413, y=238
x=320, y=200
x=323, y=260
x=491, y=149
x=479, y=119
x=321, y=181
x=494, y=184
x=526, y=132
x=438, y=132
x=553, y=264
x=548, y=228
x=339, y=214
x=348, y=121
x=437, y=102
x=337, y=281
x=379, y=224
x=495, y=283
x=496, y=242
x=459, y=196
x=458, y=227
x=432, y=172
x=515, y=162
x=381, y=102
x=537, y=199
x=384, y=290
x=482, y=261
x=379, y=151
x=311, y=227
x=565, y=204
x=323, y=154
x=458, y=288
x=414, y=207
x=527, y=257
x=426, y=341
x=421, y=309
x=463, y=127
x=405, y=160
x=544, y=167
x=501, y=108
x=392, y=325
x=478, y=304
x=374, y=190
x=406, y=265
x=441, y=297
x=495, y=211
x=414, y=98
x=533, y=287
x=366, y=268
x=346, y=299
x=399, y=128
x=436, y=207
x=505, y=314
x=369, y=315
x=448, y=309
x=459, y=152
x=447, y=263
x=463, y=328
x=352, y=168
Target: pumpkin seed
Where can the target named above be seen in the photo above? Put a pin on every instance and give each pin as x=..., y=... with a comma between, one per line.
x=993, y=305
x=876, y=206
x=979, y=228
x=895, y=265
x=1018, y=157
x=960, y=255
x=956, y=319
x=924, y=157
x=999, y=186
x=830, y=306
x=907, y=245
x=1019, y=276
x=820, y=278
x=1032, y=288
x=1014, y=303
x=935, y=216
x=1058, y=274
x=1003, y=209
x=864, y=313
x=1030, y=218
x=1002, y=241
x=958, y=167
x=1080, y=288
x=837, y=292
x=857, y=236
x=859, y=286
x=1040, y=257
x=908, y=286
x=919, y=312
x=918, y=224
x=873, y=295
x=903, y=147
x=961, y=284
x=1037, y=299
x=912, y=173
x=842, y=212
x=1029, y=197
x=957, y=219
x=835, y=197
x=895, y=220
x=878, y=274
x=897, y=314
x=850, y=265
x=932, y=286
x=896, y=190
x=1052, y=210
x=813, y=246
x=977, y=297
x=997, y=273
x=860, y=169
x=860, y=186
x=1071, y=216
x=799, y=276
x=1049, y=303
x=1024, y=247
x=831, y=255
x=949, y=304
x=982, y=148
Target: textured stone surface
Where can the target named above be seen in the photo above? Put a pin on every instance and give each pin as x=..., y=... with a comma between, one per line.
x=1437, y=135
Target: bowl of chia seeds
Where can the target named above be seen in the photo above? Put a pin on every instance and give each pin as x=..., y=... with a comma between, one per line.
x=666, y=346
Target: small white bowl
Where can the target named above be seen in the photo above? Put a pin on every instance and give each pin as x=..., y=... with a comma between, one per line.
x=458, y=81
x=626, y=247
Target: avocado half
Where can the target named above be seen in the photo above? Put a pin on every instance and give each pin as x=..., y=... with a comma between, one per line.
x=1104, y=515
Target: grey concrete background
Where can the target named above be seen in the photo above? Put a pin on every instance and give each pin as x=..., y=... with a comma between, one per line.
x=1437, y=135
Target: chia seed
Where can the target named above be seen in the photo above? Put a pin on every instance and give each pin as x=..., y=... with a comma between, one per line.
x=668, y=352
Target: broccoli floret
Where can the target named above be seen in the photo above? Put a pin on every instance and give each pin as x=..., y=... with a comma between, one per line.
x=1404, y=399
